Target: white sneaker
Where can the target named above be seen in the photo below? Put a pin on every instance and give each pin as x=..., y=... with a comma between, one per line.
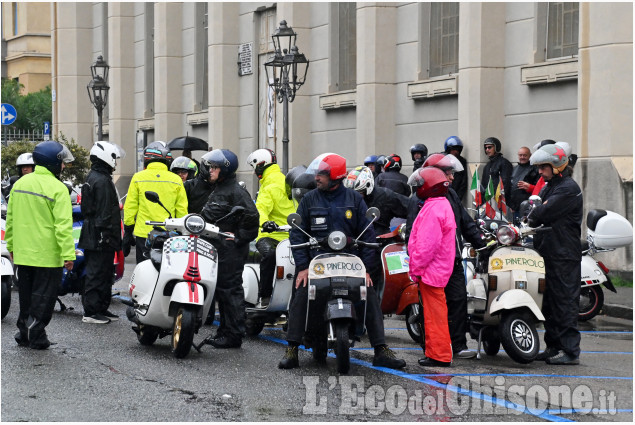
x=465, y=354
x=96, y=318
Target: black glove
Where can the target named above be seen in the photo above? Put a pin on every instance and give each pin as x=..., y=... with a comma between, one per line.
x=128, y=239
x=269, y=226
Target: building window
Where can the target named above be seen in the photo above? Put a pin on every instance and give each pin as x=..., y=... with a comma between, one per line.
x=149, y=60
x=14, y=12
x=201, y=85
x=444, y=39
x=343, y=46
x=562, y=30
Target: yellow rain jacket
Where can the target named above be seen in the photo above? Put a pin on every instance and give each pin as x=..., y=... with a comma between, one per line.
x=272, y=202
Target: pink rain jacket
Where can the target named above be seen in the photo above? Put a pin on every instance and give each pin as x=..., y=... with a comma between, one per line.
x=431, y=244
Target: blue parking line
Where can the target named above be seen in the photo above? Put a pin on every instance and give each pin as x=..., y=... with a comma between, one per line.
x=542, y=330
x=528, y=375
x=446, y=387
x=500, y=351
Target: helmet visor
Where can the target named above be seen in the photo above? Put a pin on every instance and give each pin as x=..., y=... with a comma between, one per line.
x=65, y=155
x=121, y=154
x=416, y=179
x=215, y=158
x=319, y=166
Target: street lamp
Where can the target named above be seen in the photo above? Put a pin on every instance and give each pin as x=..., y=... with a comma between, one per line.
x=286, y=60
x=98, y=89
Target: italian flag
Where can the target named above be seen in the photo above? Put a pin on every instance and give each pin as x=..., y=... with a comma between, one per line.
x=490, y=200
x=475, y=190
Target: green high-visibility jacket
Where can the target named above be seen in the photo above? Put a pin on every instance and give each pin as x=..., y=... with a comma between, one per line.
x=156, y=178
x=39, y=228
x=273, y=203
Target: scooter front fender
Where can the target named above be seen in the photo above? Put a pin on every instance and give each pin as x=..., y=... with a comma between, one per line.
x=186, y=293
x=7, y=267
x=409, y=296
x=513, y=299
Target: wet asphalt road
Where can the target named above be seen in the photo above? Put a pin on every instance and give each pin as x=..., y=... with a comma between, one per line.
x=101, y=373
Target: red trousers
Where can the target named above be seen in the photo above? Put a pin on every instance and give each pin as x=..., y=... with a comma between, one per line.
x=435, y=317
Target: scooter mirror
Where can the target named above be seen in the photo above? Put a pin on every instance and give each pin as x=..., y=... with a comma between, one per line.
x=294, y=219
x=152, y=196
x=372, y=213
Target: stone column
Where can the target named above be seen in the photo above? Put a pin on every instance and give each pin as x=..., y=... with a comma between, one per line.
x=168, y=110
x=122, y=124
x=376, y=58
x=481, y=71
x=224, y=89
x=72, y=32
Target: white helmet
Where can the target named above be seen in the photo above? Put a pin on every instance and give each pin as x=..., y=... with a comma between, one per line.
x=25, y=159
x=107, y=152
x=360, y=179
x=554, y=155
x=261, y=159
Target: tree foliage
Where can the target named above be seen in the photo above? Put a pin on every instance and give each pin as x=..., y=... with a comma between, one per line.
x=75, y=172
x=33, y=109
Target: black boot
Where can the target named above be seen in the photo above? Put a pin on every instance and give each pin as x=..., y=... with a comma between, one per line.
x=21, y=339
x=384, y=357
x=225, y=342
x=290, y=359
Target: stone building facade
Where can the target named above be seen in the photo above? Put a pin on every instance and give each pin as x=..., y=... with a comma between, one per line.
x=382, y=77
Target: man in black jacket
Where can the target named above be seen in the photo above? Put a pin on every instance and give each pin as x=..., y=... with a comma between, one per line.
x=101, y=232
x=455, y=290
x=328, y=208
x=391, y=178
x=221, y=166
x=497, y=166
x=198, y=190
x=524, y=176
x=561, y=210
x=453, y=145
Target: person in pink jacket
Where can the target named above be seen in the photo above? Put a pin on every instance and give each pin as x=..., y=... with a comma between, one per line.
x=431, y=247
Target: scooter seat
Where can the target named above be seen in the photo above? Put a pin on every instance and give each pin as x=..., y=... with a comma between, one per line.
x=155, y=258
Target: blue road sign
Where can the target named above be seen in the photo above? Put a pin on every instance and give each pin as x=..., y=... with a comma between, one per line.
x=9, y=114
x=47, y=127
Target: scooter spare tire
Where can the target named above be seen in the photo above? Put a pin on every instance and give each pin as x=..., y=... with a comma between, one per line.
x=342, y=347
x=6, y=295
x=147, y=335
x=591, y=302
x=519, y=336
x=491, y=342
x=183, y=331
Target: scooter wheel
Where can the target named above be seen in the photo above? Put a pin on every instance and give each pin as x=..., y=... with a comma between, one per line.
x=342, y=348
x=591, y=302
x=519, y=337
x=254, y=327
x=183, y=332
x=147, y=335
x=6, y=295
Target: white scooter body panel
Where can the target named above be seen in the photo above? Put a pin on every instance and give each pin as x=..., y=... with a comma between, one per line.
x=251, y=277
x=591, y=273
x=518, y=270
x=180, y=263
x=7, y=265
x=281, y=295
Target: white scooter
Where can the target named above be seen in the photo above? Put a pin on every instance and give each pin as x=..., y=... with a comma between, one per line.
x=259, y=315
x=7, y=268
x=172, y=292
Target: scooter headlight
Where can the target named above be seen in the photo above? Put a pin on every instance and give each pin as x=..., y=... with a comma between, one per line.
x=195, y=224
x=507, y=235
x=337, y=240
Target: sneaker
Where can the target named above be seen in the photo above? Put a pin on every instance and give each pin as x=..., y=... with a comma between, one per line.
x=465, y=354
x=385, y=357
x=549, y=352
x=96, y=318
x=563, y=358
x=290, y=359
x=113, y=317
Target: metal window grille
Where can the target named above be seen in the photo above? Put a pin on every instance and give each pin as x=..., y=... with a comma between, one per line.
x=444, y=39
x=562, y=30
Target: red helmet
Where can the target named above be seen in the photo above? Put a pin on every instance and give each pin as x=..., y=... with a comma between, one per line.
x=429, y=182
x=444, y=162
x=330, y=164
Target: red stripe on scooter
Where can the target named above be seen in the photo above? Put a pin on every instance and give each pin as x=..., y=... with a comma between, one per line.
x=192, y=266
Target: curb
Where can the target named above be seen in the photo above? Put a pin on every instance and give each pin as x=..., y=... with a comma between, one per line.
x=620, y=311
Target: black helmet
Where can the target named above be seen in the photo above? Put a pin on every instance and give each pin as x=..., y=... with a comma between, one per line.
x=224, y=159
x=453, y=142
x=393, y=162
x=157, y=152
x=50, y=155
x=302, y=184
x=418, y=148
x=381, y=161
x=290, y=178
x=493, y=141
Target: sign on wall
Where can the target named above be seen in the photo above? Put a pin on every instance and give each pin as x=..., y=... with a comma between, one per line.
x=245, y=59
